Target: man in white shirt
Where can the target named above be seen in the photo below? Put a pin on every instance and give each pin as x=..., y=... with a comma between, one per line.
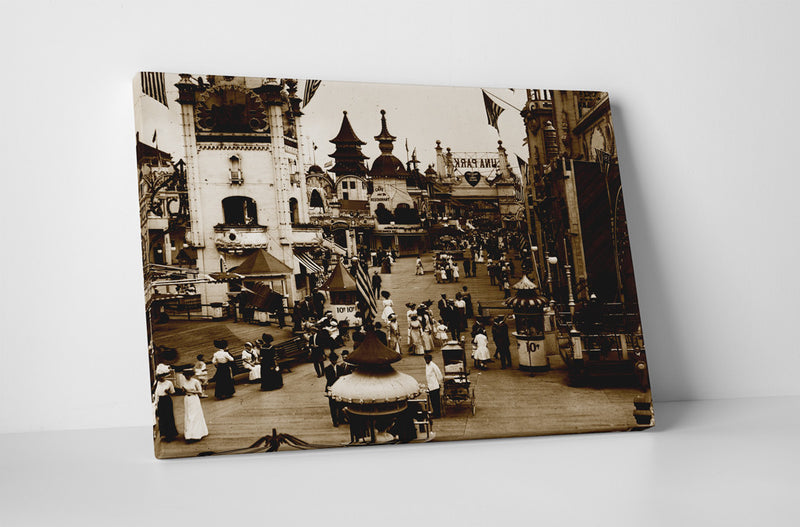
x=433, y=376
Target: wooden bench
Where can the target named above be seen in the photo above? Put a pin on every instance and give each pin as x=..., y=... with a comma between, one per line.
x=238, y=366
x=290, y=351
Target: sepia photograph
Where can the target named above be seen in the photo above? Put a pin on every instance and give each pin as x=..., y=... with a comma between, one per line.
x=333, y=264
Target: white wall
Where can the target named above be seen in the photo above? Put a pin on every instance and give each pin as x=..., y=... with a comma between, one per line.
x=703, y=100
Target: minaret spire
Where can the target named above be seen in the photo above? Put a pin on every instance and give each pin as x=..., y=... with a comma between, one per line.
x=385, y=139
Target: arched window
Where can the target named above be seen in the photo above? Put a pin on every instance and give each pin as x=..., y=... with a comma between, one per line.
x=383, y=215
x=597, y=142
x=236, y=170
x=239, y=210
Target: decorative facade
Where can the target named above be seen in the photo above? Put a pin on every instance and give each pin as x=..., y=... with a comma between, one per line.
x=576, y=191
x=245, y=176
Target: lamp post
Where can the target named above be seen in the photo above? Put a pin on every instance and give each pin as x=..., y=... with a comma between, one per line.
x=551, y=260
x=568, y=271
x=534, y=250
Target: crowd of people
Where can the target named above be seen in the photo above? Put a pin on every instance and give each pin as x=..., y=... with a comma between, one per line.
x=328, y=339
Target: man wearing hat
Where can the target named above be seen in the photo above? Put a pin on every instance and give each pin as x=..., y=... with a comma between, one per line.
x=380, y=333
x=501, y=341
x=332, y=372
x=434, y=379
x=316, y=341
x=376, y=283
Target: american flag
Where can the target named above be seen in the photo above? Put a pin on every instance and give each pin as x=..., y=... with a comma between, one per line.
x=154, y=86
x=365, y=292
x=311, y=89
x=523, y=168
x=493, y=110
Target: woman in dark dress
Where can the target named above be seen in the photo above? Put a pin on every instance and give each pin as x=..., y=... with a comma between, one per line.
x=271, y=378
x=164, y=411
x=223, y=361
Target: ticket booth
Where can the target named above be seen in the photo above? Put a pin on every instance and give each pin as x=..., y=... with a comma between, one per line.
x=343, y=292
x=528, y=306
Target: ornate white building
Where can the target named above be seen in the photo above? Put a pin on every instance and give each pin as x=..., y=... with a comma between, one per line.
x=245, y=178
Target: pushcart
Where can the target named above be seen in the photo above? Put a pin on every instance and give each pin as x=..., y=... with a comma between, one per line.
x=457, y=389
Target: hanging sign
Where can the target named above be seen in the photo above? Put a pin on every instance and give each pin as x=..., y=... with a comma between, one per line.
x=463, y=161
x=472, y=177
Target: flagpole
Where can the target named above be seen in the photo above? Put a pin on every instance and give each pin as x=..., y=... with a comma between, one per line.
x=502, y=100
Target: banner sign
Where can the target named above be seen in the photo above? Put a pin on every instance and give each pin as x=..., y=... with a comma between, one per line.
x=344, y=312
x=483, y=161
x=379, y=196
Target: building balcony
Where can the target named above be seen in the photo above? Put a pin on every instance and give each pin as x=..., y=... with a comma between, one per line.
x=406, y=228
x=306, y=235
x=237, y=238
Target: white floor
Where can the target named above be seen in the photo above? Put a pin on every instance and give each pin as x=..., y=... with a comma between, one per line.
x=731, y=462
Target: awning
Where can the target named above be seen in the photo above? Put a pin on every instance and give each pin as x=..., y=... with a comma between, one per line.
x=310, y=265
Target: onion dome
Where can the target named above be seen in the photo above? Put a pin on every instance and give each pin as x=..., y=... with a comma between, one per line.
x=375, y=387
x=386, y=164
x=315, y=169
x=527, y=297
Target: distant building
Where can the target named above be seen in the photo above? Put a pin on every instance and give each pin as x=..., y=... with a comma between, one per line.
x=474, y=185
x=398, y=225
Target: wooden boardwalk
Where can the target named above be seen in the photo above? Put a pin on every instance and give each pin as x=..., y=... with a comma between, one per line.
x=509, y=402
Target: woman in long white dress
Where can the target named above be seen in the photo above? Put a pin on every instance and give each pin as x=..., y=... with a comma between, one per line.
x=415, y=330
x=250, y=362
x=388, y=307
x=427, y=329
x=412, y=310
x=419, y=269
x=194, y=424
x=394, y=334
x=480, y=351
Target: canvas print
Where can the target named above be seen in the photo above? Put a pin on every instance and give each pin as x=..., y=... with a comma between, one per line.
x=333, y=264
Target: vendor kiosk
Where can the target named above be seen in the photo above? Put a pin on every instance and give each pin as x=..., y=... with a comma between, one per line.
x=343, y=291
x=528, y=306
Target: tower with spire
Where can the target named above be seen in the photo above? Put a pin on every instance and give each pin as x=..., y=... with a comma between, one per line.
x=395, y=211
x=389, y=174
x=349, y=166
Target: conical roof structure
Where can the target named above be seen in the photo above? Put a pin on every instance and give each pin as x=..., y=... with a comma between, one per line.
x=346, y=135
x=340, y=280
x=372, y=352
x=375, y=387
x=527, y=297
x=261, y=263
x=349, y=160
x=524, y=283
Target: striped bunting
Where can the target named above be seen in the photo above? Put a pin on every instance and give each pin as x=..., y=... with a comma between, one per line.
x=154, y=86
x=365, y=292
x=311, y=89
x=493, y=110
